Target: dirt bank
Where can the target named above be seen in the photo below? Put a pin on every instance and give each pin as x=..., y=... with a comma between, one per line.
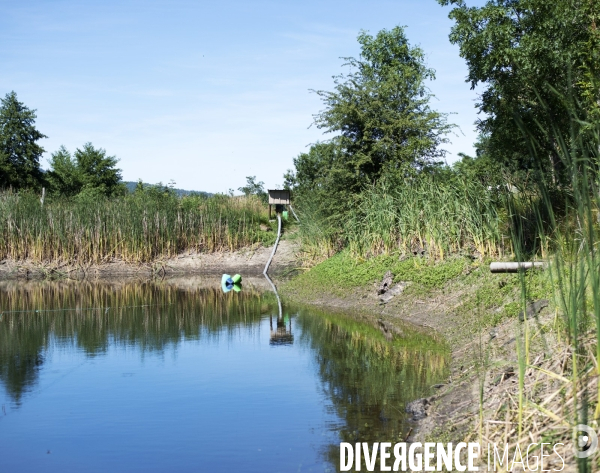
x=249, y=261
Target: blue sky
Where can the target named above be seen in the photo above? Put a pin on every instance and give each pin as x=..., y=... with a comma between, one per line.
x=206, y=93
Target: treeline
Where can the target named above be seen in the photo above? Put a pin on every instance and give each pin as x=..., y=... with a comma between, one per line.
x=380, y=183
x=89, y=171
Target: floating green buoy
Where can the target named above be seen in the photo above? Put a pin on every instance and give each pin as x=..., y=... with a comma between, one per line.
x=236, y=279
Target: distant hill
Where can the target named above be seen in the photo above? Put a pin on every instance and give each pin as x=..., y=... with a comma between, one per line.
x=180, y=192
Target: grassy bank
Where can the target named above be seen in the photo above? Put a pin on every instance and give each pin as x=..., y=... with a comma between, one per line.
x=493, y=297
x=344, y=271
x=552, y=360
x=510, y=379
x=137, y=228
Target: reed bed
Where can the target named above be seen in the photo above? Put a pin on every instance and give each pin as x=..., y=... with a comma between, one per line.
x=427, y=213
x=134, y=229
x=557, y=389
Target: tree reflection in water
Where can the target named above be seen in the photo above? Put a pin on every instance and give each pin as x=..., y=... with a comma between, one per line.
x=92, y=316
x=367, y=378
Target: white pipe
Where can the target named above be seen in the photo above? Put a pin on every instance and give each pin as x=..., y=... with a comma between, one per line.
x=295, y=216
x=501, y=267
x=274, y=246
x=276, y=293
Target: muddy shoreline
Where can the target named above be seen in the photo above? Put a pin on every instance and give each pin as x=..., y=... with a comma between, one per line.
x=248, y=262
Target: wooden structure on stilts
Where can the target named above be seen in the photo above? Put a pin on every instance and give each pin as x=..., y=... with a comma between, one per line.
x=278, y=198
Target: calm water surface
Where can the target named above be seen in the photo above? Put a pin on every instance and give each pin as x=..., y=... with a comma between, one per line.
x=179, y=377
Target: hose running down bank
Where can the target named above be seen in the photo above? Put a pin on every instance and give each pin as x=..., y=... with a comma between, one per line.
x=295, y=216
x=269, y=263
x=274, y=246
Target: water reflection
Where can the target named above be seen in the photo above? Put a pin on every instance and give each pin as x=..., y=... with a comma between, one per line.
x=282, y=333
x=92, y=316
x=368, y=379
x=362, y=380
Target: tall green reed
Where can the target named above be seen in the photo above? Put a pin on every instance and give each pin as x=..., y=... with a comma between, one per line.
x=567, y=223
x=446, y=216
x=135, y=228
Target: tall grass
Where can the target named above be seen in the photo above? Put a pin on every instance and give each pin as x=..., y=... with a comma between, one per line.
x=439, y=214
x=443, y=216
x=135, y=228
x=321, y=237
x=569, y=226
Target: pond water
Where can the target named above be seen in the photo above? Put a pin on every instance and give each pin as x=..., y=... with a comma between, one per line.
x=178, y=377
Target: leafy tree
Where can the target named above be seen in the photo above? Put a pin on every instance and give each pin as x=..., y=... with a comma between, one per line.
x=19, y=152
x=320, y=176
x=139, y=187
x=98, y=171
x=531, y=56
x=383, y=125
x=380, y=112
x=90, y=172
x=481, y=167
x=253, y=188
x=64, y=176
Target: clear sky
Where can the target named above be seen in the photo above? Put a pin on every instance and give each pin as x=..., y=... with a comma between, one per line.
x=206, y=93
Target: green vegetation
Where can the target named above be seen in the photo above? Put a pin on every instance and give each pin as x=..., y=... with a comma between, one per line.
x=19, y=151
x=574, y=234
x=254, y=188
x=522, y=53
x=80, y=211
x=384, y=129
x=88, y=173
x=343, y=272
x=433, y=212
x=381, y=112
x=88, y=216
x=498, y=297
x=378, y=186
x=138, y=228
